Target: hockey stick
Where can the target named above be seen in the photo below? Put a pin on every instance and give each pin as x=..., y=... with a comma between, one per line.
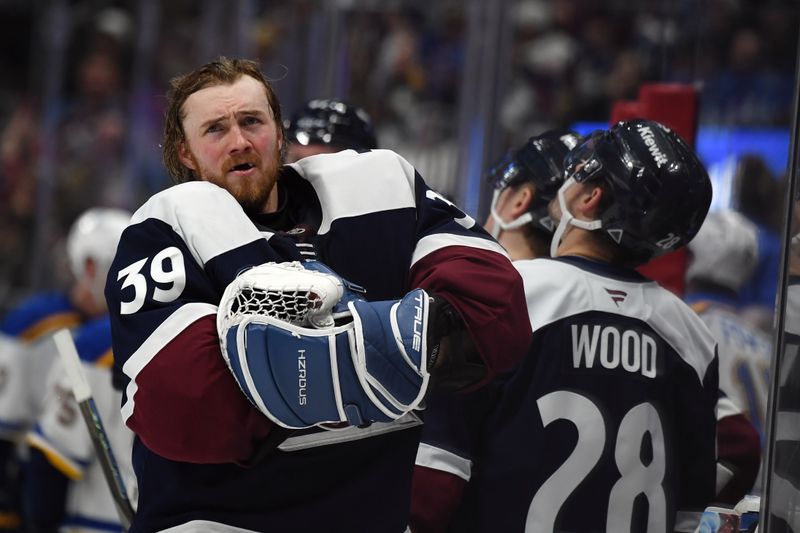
x=83, y=395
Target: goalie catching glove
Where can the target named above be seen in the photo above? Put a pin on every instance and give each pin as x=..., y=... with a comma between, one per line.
x=307, y=350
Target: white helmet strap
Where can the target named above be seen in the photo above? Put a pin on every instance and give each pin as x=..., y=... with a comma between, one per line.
x=567, y=219
x=499, y=224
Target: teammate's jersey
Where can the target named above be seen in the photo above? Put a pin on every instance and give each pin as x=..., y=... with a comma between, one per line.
x=61, y=436
x=606, y=426
x=373, y=220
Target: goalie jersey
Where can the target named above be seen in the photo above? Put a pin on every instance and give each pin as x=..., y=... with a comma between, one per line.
x=202, y=453
x=607, y=425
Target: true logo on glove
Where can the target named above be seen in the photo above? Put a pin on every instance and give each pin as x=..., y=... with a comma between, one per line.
x=417, y=340
x=301, y=377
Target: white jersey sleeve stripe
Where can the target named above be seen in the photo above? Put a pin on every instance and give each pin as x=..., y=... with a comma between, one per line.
x=439, y=459
x=727, y=407
x=432, y=243
x=164, y=334
x=210, y=224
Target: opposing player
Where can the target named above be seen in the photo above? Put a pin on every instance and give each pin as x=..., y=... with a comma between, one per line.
x=64, y=485
x=416, y=275
x=724, y=255
x=27, y=351
x=608, y=424
x=326, y=126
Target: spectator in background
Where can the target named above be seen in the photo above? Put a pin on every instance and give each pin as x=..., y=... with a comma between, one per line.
x=759, y=196
x=747, y=90
x=19, y=145
x=91, y=138
x=88, y=152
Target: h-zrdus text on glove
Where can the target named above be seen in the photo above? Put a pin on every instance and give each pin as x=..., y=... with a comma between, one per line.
x=306, y=349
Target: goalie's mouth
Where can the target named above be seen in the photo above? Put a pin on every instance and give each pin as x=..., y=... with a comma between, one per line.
x=242, y=168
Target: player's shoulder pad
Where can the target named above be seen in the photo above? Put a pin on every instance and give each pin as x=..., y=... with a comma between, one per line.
x=185, y=199
x=350, y=183
x=93, y=341
x=46, y=311
x=310, y=165
x=556, y=290
x=205, y=216
x=367, y=169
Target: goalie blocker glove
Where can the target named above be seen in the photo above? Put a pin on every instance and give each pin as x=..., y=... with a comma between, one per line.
x=307, y=350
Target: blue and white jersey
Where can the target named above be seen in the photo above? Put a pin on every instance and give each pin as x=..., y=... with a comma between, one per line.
x=373, y=220
x=745, y=357
x=26, y=353
x=39, y=315
x=61, y=437
x=607, y=425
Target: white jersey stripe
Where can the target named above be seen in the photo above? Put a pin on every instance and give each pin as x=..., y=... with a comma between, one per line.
x=223, y=225
x=439, y=459
x=162, y=336
x=432, y=243
x=340, y=181
x=727, y=407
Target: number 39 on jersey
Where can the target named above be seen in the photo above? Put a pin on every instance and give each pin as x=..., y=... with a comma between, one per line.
x=164, y=279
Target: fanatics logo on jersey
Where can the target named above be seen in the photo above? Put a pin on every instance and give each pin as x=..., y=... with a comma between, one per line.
x=617, y=296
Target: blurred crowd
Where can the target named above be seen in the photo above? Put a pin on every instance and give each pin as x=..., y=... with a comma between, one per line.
x=81, y=104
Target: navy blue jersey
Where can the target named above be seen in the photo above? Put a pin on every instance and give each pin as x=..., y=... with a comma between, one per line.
x=607, y=425
x=374, y=221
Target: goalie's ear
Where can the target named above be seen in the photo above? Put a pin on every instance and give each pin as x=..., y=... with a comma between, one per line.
x=185, y=156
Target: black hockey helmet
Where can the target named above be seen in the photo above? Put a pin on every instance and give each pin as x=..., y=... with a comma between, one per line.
x=331, y=122
x=539, y=161
x=660, y=191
